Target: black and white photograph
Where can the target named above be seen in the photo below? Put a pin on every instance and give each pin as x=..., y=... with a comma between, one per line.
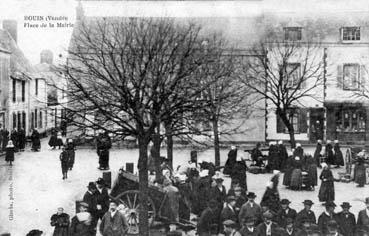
x=184, y=118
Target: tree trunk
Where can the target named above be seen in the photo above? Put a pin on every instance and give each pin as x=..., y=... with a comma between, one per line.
x=155, y=152
x=169, y=136
x=284, y=116
x=143, y=186
x=216, y=142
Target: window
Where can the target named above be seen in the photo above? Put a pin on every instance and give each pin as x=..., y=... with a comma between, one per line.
x=35, y=118
x=298, y=119
x=292, y=33
x=14, y=120
x=36, y=87
x=350, y=33
x=14, y=90
x=351, y=76
x=351, y=120
x=23, y=91
x=19, y=119
x=40, y=120
x=24, y=120
x=293, y=75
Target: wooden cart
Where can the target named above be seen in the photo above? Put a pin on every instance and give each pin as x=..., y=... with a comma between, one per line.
x=125, y=192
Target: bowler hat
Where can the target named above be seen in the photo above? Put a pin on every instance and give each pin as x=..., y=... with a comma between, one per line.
x=285, y=202
x=231, y=198
x=91, y=185
x=267, y=215
x=330, y=204
x=308, y=202
x=251, y=195
x=345, y=205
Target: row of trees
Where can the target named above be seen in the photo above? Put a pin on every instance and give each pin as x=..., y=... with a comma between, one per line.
x=154, y=78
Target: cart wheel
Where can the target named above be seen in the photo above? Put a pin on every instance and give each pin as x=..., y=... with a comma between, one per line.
x=131, y=202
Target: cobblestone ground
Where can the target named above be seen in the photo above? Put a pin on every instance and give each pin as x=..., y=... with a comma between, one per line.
x=33, y=188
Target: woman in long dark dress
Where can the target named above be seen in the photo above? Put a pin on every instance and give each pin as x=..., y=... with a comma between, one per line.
x=9, y=154
x=317, y=152
x=36, y=144
x=338, y=156
x=296, y=176
x=326, y=192
x=359, y=172
x=232, y=156
x=288, y=171
x=239, y=172
x=329, y=155
x=311, y=169
x=70, y=149
x=53, y=139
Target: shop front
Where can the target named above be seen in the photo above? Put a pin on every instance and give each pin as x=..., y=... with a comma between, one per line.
x=347, y=122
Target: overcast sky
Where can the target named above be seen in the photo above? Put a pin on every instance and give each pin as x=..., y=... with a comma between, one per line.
x=33, y=40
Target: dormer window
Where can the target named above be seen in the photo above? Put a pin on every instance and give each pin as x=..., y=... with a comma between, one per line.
x=292, y=33
x=350, y=33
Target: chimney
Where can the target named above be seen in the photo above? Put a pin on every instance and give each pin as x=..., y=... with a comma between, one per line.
x=46, y=56
x=11, y=27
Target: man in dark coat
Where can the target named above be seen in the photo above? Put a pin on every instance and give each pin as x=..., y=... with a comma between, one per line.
x=64, y=160
x=36, y=144
x=248, y=227
x=201, y=189
x=338, y=156
x=346, y=220
x=363, y=217
x=102, y=198
x=228, y=211
x=232, y=156
x=21, y=139
x=81, y=223
x=267, y=228
x=305, y=213
x=317, y=152
x=329, y=155
x=240, y=198
x=218, y=192
x=61, y=222
x=104, y=151
x=285, y=212
x=113, y=222
x=326, y=216
x=90, y=198
x=70, y=149
x=208, y=221
x=251, y=209
x=290, y=229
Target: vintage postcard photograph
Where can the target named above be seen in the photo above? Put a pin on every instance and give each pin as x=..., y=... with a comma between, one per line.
x=188, y=118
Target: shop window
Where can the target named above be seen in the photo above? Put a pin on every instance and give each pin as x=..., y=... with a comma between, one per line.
x=350, y=33
x=292, y=33
x=351, y=120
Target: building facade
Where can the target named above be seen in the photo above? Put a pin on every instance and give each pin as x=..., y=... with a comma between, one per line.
x=4, y=87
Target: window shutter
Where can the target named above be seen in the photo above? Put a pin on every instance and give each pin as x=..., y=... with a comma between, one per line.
x=280, y=124
x=363, y=76
x=303, y=120
x=340, y=76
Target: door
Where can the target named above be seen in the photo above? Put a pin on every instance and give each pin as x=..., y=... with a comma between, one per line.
x=316, y=124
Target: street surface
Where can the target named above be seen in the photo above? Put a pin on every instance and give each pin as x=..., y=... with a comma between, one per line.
x=32, y=190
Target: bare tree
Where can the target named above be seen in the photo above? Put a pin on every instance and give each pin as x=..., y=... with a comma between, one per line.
x=286, y=73
x=122, y=72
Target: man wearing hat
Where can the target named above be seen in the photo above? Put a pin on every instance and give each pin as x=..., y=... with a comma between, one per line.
x=285, y=212
x=61, y=222
x=208, y=221
x=228, y=212
x=248, y=227
x=268, y=227
x=313, y=231
x=363, y=217
x=305, y=213
x=289, y=228
x=102, y=197
x=218, y=192
x=230, y=228
x=251, y=209
x=81, y=223
x=326, y=216
x=305, y=226
x=90, y=198
x=346, y=220
x=318, y=150
x=113, y=222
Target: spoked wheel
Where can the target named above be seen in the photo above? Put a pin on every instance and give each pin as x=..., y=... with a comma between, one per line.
x=131, y=201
